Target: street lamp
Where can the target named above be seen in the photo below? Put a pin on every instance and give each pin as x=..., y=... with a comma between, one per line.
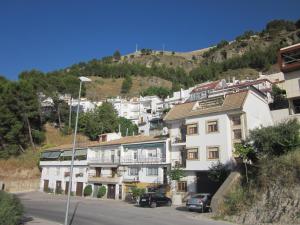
x=82, y=79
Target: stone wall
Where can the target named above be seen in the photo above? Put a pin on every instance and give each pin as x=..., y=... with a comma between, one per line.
x=21, y=185
x=226, y=187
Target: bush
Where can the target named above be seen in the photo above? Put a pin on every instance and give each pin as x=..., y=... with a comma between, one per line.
x=275, y=140
x=137, y=192
x=101, y=192
x=218, y=172
x=11, y=209
x=88, y=190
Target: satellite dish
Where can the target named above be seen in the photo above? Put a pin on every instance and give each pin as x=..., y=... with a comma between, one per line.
x=165, y=131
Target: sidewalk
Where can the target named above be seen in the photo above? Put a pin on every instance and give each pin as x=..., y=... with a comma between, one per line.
x=29, y=220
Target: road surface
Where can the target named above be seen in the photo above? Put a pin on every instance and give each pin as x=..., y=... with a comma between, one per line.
x=107, y=212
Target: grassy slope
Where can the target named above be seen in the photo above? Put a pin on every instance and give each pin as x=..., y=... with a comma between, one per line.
x=274, y=190
x=101, y=88
x=25, y=166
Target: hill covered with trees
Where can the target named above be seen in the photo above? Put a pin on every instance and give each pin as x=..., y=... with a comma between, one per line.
x=21, y=117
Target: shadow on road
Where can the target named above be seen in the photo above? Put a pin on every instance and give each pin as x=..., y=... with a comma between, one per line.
x=74, y=213
x=181, y=208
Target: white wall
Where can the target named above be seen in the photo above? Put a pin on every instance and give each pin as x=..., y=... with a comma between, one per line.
x=257, y=112
x=202, y=140
x=56, y=173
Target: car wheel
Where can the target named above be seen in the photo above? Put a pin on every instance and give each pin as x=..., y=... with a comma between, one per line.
x=169, y=203
x=153, y=205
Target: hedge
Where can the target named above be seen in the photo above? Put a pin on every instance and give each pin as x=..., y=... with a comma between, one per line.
x=11, y=209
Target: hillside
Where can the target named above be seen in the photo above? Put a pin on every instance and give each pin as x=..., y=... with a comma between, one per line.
x=102, y=88
x=25, y=166
x=274, y=198
x=215, y=54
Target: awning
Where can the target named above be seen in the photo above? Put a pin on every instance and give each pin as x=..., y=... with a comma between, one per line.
x=50, y=155
x=78, y=152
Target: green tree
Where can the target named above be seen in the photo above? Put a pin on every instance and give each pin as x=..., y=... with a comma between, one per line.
x=158, y=91
x=126, y=85
x=275, y=140
x=176, y=173
x=101, y=120
x=244, y=150
x=218, y=172
x=127, y=127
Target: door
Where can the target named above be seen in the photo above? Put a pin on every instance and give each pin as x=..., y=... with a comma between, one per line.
x=165, y=175
x=111, y=192
x=67, y=187
x=79, y=187
x=58, y=187
x=120, y=192
x=98, y=171
x=46, y=185
x=96, y=188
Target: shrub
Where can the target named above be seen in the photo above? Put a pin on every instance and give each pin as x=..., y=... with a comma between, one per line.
x=88, y=190
x=11, y=209
x=137, y=192
x=101, y=192
x=218, y=172
x=276, y=140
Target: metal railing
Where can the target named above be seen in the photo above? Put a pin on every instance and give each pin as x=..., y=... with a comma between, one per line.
x=115, y=160
x=143, y=160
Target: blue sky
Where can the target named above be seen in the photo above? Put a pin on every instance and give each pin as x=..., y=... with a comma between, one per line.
x=52, y=34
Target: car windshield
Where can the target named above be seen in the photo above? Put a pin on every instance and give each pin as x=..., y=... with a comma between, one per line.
x=199, y=196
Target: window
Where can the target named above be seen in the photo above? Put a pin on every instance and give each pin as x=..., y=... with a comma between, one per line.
x=212, y=126
x=182, y=186
x=135, y=155
x=236, y=120
x=213, y=152
x=133, y=171
x=237, y=134
x=152, y=153
x=192, y=129
x=152, y=171
x=192, y=154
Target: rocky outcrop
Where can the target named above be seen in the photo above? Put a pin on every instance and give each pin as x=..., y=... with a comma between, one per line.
x=276, y=205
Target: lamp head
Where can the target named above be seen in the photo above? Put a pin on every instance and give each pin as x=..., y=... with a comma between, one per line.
x=85, y=79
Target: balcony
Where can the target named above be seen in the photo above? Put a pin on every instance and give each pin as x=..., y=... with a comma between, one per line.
x=143, y=160
x=102, y=179
x=177, y=141
x=104, y=161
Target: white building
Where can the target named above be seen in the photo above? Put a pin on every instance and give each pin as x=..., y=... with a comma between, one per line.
x=116, y=163
x=203, y=133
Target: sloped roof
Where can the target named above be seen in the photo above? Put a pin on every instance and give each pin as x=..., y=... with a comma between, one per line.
x=206, y=86
x=123, y=140
x=231, y=102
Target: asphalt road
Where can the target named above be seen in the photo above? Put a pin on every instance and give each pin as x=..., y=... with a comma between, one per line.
x=107, y=212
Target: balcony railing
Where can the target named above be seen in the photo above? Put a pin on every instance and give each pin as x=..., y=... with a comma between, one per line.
x=102, y=179
x=143, y=160
x=99, y=160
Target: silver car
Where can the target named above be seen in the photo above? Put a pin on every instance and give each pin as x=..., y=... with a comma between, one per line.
x=199, y=202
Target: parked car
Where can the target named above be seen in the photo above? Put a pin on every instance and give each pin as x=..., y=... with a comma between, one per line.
x=199, y=202
x=154, y=199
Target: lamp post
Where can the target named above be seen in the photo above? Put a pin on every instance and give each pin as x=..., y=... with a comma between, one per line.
x=82, y=79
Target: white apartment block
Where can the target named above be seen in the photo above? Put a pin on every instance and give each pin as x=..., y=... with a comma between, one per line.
x=114, y=162
x=203, y=133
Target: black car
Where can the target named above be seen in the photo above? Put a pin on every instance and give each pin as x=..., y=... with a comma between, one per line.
x=154, y=199
x=199, y=202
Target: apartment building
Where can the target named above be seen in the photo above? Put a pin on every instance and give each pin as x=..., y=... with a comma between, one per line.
x=204, y=132
x=289, y=63
x=114, y=162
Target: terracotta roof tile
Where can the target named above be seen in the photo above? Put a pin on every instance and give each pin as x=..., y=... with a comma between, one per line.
x=231, y=102
x=123, y=140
